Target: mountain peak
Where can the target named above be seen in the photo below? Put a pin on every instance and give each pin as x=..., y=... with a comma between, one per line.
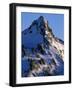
x=42, y=52
x=41, y=32
x=41, y=17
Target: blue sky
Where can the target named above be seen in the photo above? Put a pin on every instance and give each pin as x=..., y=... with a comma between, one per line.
x=56, y=22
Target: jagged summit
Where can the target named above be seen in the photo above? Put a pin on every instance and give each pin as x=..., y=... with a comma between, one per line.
x=44, y=51
x=40, y=27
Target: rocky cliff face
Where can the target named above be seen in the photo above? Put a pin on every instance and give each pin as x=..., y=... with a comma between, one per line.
x=42, y=51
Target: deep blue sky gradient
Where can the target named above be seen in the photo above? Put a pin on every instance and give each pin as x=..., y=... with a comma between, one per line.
x=56, y=22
